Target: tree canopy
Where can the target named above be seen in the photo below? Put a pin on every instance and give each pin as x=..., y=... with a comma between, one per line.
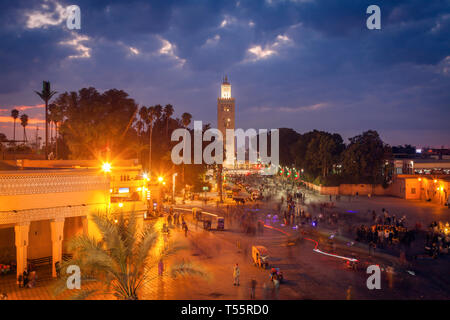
x=111, y=125
x=364, y=158
x=327, y=160
x=96, y=124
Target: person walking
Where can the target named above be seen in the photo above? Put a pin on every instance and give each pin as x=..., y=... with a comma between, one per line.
x=349, y=293
x=236, y=274
x=390, y=276
x=186, y=229
x=372, y=246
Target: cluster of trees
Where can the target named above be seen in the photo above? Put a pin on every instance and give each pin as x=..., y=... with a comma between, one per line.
x=105, y=126
x=89, y=124
x=327, y=160
x=12, y=145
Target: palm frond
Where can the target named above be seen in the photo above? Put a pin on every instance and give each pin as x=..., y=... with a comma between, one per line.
x=119, y=261
x=110, y=236
x=146, y=241
x=40, y=95
x=130, y=233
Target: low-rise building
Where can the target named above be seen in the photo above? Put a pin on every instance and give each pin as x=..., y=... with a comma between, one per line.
x=43, y=204
x=423, y=187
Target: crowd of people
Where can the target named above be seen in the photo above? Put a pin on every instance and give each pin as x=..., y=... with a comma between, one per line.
x=386, y=230
x=27, y=279
x=175, y=219
x=384, y=235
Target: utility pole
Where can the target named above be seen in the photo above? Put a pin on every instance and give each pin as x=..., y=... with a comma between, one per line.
x=46, y=87
x=219, y=182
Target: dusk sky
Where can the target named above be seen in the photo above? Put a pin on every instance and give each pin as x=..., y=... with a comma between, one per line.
x=301, y=64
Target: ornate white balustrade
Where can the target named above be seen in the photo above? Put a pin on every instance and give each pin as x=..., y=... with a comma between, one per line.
x=35, y=192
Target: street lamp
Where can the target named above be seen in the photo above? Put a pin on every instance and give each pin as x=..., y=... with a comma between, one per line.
x=160, y=179
x=106, y=167
x=173, y=186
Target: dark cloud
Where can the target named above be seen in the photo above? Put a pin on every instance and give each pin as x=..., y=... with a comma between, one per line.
x=316, y=52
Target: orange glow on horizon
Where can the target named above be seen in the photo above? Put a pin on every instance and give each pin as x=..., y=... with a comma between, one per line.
x=9, y=119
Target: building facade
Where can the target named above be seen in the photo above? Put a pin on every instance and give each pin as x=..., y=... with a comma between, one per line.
x=42, y=207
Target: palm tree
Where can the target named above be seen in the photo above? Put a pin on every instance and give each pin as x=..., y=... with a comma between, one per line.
x=14, y=115
x=139, y=127
x=119, y=260
x=24, y=123
x=185, y=120
x=168, y=112
x=51, y=114
x=143, y=111
x=158, y=110
x=46, y=94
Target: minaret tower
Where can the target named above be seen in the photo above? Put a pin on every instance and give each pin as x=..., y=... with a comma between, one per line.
x=226, y=110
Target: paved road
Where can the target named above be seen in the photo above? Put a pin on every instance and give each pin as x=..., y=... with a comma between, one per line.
x=309, y=275
x=316, y=276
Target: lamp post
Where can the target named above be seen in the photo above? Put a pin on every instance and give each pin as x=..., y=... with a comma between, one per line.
x=173, y=186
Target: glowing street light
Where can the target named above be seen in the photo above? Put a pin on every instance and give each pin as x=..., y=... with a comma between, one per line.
x=106, y=167
x=146, y=177
x=120, y=204
x=160, y=179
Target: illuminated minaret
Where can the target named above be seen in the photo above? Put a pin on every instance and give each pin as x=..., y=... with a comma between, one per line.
x=225, y=110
